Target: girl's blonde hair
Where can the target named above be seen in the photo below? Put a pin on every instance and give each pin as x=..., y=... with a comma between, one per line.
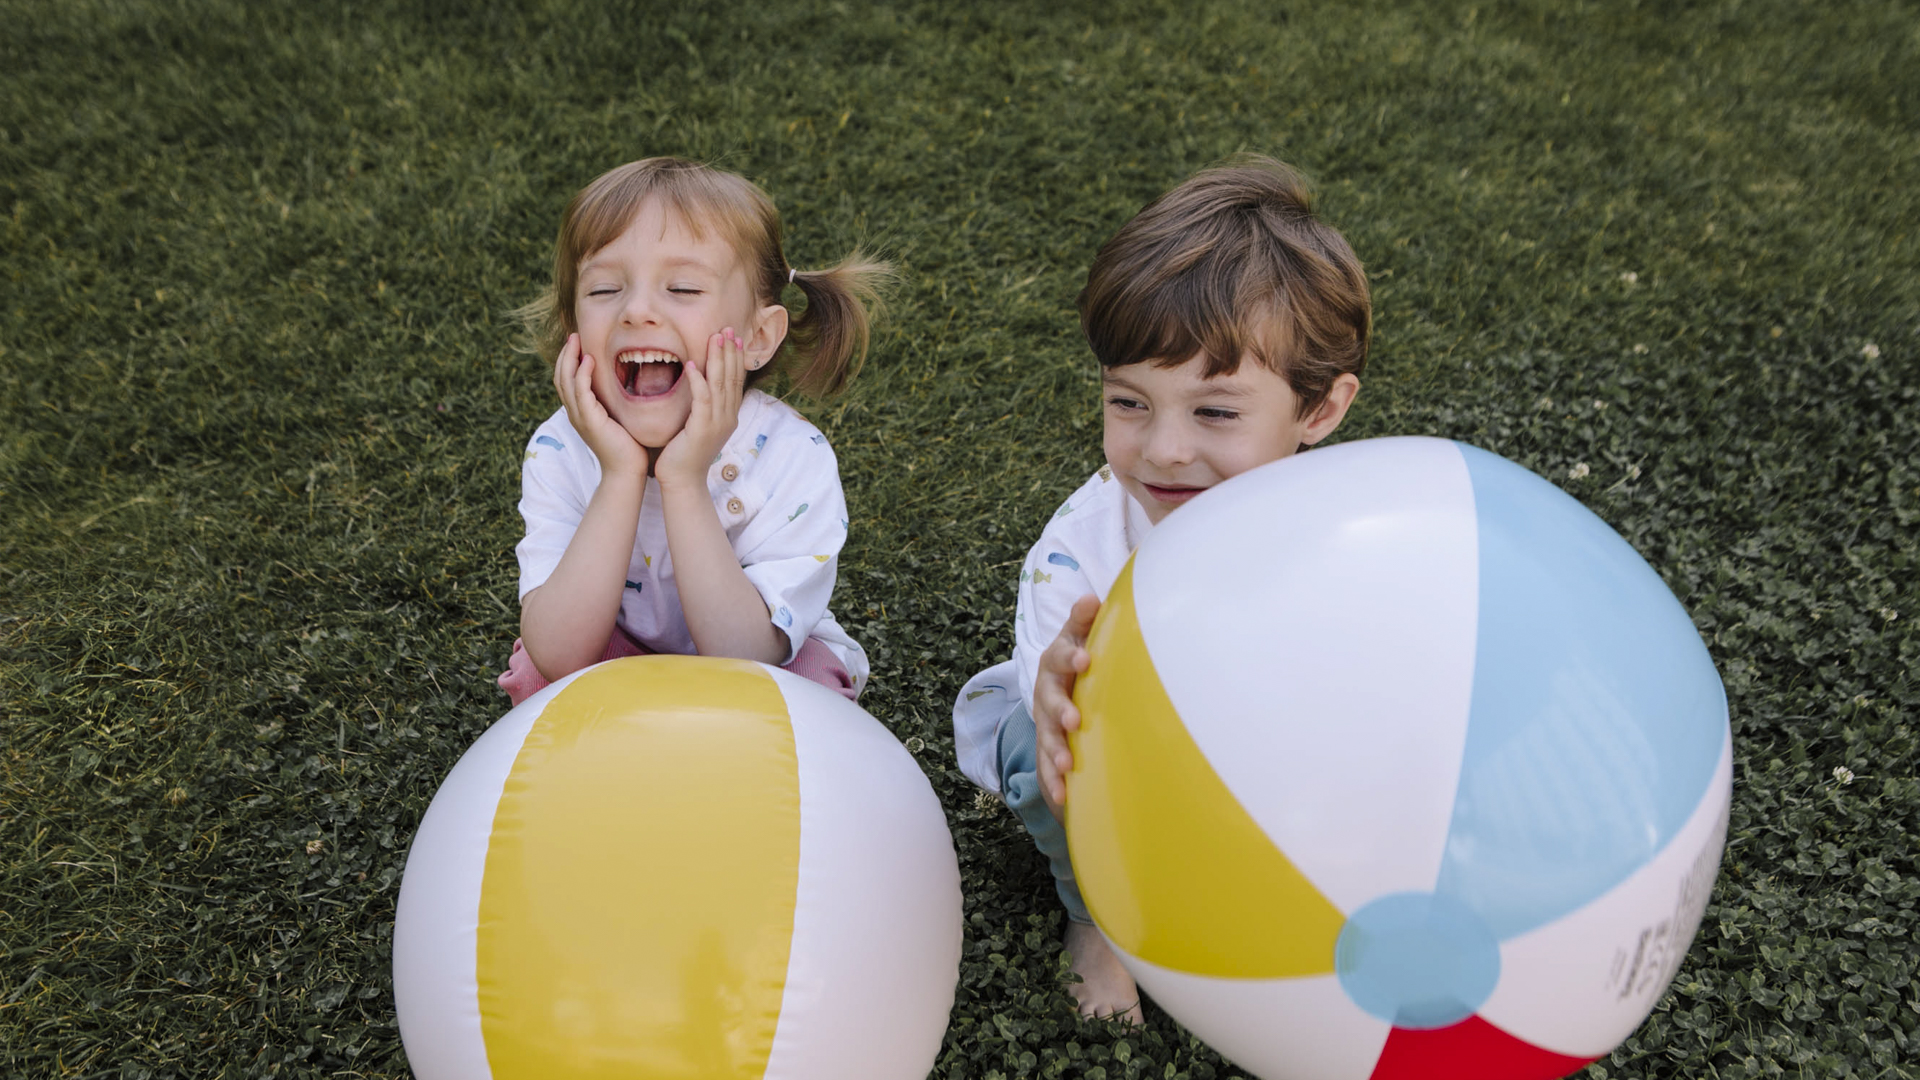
x=824, y=346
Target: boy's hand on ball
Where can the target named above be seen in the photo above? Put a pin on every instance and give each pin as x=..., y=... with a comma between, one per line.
x=717, y=393
x=610, y=443
x=1054, y=714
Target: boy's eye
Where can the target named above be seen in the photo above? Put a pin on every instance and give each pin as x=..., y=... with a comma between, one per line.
x=1210, y=413
x=1124, y=403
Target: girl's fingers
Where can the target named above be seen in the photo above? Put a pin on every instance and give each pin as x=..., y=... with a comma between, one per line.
x=564, y=364
x=698, y=381
x=736, y=365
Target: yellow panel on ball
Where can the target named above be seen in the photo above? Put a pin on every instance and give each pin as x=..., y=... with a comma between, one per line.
x=598, y=950
x=1171, y=866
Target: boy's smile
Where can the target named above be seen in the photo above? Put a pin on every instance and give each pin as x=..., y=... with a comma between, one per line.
x=646, y=306
x=1171, y=433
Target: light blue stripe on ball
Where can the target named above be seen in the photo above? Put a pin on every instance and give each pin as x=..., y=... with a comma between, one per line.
x=1417, y=960
x=1597, y=716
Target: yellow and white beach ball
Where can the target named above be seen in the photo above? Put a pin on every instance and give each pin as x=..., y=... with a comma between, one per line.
x=676, y=866
x=1397, y=763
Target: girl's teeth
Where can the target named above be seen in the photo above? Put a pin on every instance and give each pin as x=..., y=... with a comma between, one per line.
x=633, y=364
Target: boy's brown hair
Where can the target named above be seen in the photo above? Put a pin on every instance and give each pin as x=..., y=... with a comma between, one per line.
x=1228, y=263
x=826, y=343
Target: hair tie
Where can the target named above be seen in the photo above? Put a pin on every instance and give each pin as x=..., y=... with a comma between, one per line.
x=790, y=272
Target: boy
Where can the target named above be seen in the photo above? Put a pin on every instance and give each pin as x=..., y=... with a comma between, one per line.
x=1231, y=327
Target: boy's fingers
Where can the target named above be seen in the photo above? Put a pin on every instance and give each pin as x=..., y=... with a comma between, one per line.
x=1080, y=618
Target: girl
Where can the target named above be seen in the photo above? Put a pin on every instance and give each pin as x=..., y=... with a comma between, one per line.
x=670, y=506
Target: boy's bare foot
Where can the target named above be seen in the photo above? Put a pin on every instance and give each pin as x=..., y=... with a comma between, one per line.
x=1105, y=990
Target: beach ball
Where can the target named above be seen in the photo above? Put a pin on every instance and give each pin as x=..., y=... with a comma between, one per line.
x=1397, y=763
x=679, y=866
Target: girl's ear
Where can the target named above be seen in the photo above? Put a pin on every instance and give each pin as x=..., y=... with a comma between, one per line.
x=1333, y=408
x=769, y=330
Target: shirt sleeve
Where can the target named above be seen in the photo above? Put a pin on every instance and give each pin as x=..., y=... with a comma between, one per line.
x=791, y=549
x=1051, y=579
x=552, y=500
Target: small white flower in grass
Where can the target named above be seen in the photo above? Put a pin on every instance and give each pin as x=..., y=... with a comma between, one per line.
x=315, y=847
x=1579, y=471
x=1870, y=351
x=1599, y=406
x=1776, y=331
x=916, y=744
x=1633, y=472
x=1860, y=701
x=1843, y=774
x=1630, y=278
x=1639, y=350
x=984, y=800
x=1889, y=614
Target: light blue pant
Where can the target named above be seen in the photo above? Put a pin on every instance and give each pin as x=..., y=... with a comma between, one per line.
x=1020, y=786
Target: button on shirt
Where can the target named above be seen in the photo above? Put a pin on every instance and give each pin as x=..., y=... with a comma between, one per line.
x=1082, y=550
x=776, y=489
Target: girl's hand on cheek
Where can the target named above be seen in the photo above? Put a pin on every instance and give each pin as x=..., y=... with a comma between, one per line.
x=610, y=443
x=716, y=412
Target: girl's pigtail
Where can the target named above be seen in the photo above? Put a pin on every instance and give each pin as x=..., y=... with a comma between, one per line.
x=543, y=328
x=829, y=340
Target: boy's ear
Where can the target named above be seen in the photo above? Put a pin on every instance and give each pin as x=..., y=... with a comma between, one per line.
x=1332, y=409
x=769, y=330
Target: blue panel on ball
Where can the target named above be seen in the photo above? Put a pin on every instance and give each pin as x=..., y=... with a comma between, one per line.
x=1417, y=960
x=1597, y=715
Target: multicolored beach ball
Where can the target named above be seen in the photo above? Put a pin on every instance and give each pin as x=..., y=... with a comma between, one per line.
x=1398, y=763
x=677, y=866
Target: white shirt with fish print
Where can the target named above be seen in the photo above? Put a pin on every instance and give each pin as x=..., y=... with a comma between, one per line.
x=1081, y=551
x=775, y=486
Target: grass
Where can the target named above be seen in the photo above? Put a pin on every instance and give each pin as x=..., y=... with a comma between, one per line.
x=259, y=427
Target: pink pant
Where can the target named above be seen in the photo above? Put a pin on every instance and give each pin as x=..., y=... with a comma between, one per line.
x=815, y=662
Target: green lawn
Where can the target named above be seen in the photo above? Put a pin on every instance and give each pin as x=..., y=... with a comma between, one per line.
x=260, y=425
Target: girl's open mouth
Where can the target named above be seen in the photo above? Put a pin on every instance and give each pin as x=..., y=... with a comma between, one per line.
x=648, y=373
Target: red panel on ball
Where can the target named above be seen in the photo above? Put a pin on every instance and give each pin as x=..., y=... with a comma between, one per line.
x=1469, y=1050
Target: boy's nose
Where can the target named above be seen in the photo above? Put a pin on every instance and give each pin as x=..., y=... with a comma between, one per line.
x=1168, y=446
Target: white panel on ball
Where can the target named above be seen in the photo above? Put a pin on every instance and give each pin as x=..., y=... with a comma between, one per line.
x=877, y=925
x=1340, y=592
